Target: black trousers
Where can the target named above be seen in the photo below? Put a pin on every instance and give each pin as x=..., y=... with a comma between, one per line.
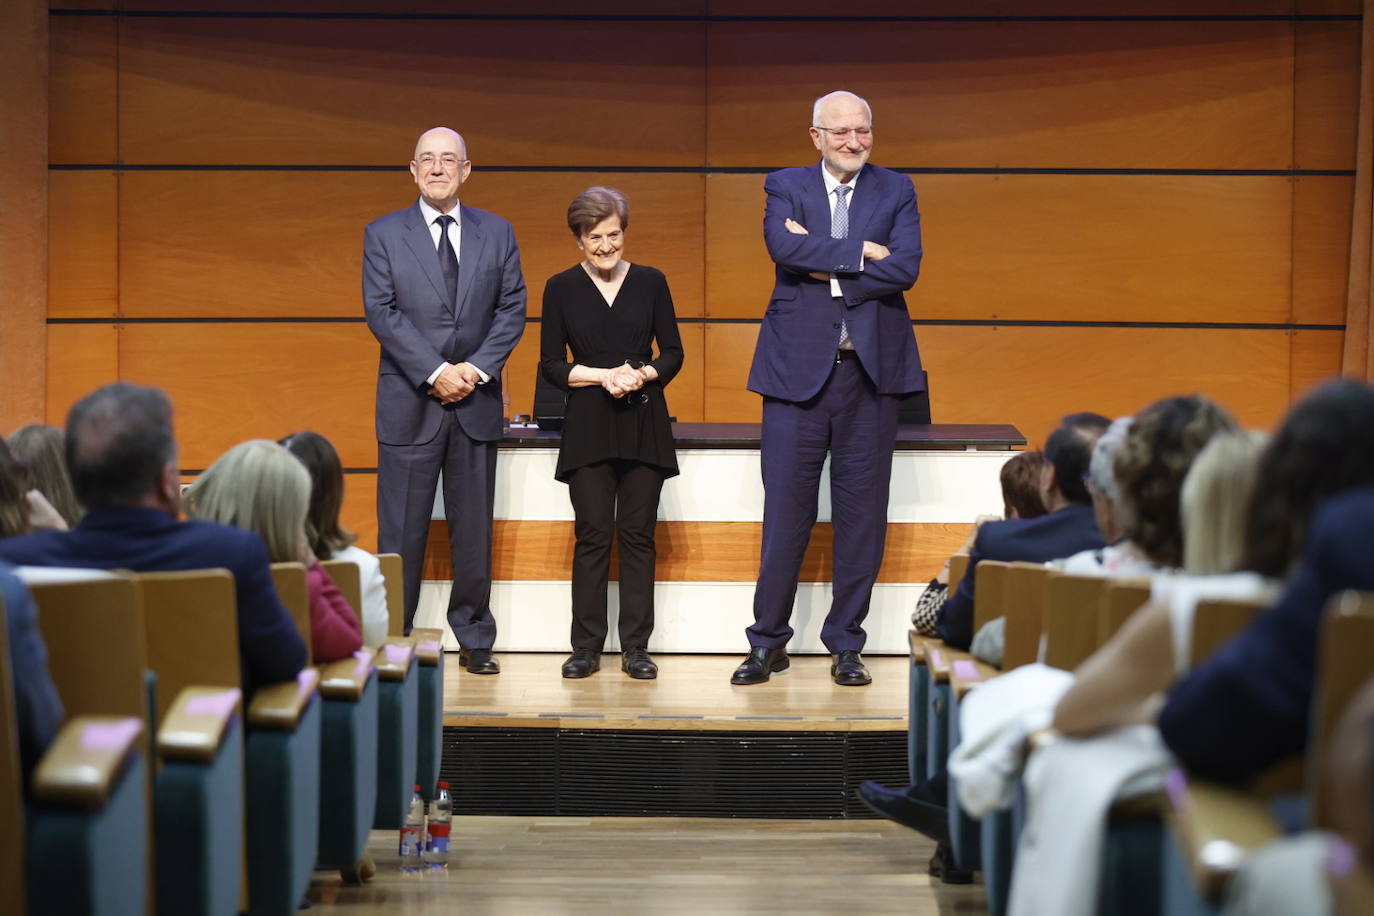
x=610, y=498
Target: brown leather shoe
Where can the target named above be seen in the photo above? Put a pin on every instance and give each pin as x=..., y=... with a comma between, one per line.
x=478, y=661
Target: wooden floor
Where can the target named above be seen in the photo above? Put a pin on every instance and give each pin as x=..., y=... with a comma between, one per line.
x=510, y=865
x=691, y=692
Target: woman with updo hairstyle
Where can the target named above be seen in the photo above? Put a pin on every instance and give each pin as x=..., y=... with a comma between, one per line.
x=617, y=446
x=258, y=486
x=327, y=537
x=42, y=448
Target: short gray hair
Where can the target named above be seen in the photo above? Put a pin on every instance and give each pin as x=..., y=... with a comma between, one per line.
x=257, y=486
x=826, y=99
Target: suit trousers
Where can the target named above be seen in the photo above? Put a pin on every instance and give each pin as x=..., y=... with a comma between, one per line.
x=609, y=498
x=406, y=479
x=857, y=426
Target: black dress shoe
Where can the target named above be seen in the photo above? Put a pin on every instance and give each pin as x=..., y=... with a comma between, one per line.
x=478, y=661
x=906, y=808
x=582, y=663
x=760, y=664
x=638, y=665
x=848, y=669
x=942, y=866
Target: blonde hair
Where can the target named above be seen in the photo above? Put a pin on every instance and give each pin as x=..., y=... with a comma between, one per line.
x=257, y=486
x=1215, y=500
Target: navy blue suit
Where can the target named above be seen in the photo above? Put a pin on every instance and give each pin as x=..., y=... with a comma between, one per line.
x=150, y=540
x=36, y=704
x=1249, y=705
x=1030, y=540
x=814, y=404
x=405, y=300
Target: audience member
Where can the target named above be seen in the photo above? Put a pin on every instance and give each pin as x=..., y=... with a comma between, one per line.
x=1067, y=528
x=1215, y=502
x=41, y=448
x=1020, y=479
x=122, y=456
x=327, y=537
x=37, y=707
x=14, y=485
x=258, y=486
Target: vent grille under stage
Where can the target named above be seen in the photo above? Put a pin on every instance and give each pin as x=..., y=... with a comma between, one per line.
x=677, y=773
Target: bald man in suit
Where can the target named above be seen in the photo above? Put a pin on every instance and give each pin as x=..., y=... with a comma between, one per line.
x=445, y=297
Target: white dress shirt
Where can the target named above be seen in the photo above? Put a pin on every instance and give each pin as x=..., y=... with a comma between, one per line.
x=455, y=238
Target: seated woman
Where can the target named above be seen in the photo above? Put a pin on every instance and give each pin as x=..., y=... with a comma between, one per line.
x=327, y=537
x=42, y=449
x=1325, y=446
x=22, y=507
x=258, y=486
x=617, y=447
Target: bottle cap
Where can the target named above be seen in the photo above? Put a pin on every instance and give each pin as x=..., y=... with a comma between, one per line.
x=442, y=784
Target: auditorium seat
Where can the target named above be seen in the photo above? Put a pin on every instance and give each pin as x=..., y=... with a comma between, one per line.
x=348, y=736
x=397, y=738
x=393, y=573
x=192, y=638
x=84, y=848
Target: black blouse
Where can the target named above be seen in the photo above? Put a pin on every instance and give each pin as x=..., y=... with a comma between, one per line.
x=597, y=426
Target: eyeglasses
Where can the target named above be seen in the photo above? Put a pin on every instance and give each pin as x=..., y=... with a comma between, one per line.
x=449, y=161
x=842, y=133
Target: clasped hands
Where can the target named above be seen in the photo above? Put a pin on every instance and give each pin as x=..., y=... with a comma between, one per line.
x=455, y=382
x=623, y=379
x=872, y=250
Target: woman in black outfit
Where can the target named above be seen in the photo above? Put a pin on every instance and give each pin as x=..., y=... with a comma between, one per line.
x=617, y=442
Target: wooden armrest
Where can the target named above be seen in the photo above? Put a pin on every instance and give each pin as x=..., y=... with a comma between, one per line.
x=918, y=646
x=1216, y=827
x=958, y=567
x=967, y=673
x=938, y=659
x=280, y=706
x=394, y=658
x=346, y=678
x=429, y=643
x=195, y=724
x=84, y=761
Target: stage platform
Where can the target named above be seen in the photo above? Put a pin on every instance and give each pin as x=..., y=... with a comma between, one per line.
x=528, y=742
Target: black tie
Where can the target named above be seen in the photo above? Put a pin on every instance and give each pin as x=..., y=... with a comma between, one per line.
x=448, y=261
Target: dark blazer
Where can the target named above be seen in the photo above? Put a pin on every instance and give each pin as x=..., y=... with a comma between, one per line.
x=36, y=704
x=1249, y=705
x=405, y=301
x=800, y=329
x=149, y=540
x=1030, y=540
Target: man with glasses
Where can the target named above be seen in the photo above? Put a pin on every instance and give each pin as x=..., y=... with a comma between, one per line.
x=444, y=295
x=835, y=353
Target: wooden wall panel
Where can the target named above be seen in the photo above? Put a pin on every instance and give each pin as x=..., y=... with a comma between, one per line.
x=697, y=551
x=1326, y=85
x=338, y=91
x=231, y=382
x=1322, y=210
x=359, y=513
x=81, y=358
x=1316, y=359
x=994, y=8
x=83, y=84
x=1033, y=94
x=1055, y=247
x=289, y=244
x=83, y=245
x=1031, y=376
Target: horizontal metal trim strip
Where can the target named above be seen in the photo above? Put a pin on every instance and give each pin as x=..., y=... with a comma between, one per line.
x=917, y=322
x=689, y=18
x=692, y=169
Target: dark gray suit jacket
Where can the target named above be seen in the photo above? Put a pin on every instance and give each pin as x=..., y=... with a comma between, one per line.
x=405, y=301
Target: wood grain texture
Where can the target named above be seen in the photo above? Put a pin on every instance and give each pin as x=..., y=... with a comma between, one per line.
x=1322, y=210
x=81, y=358
x=83, y=245
x=697, y=551
x=729, y=351
x=1316, y=359
x=249, y=381
x=83, y=86
x=1031, y=94
x=1054, y=247
x=1326, y=94
x=290, y=243
x=360, y=91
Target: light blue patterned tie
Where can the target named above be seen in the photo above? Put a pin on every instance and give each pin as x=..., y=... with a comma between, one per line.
x=839, y=229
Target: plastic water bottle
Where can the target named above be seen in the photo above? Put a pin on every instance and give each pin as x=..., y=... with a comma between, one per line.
x=440, y=822
x=413, y=835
